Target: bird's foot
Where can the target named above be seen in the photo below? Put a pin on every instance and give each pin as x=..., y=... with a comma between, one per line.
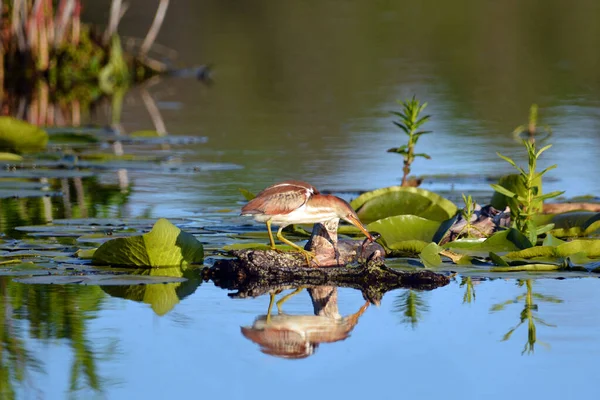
x=310, y=258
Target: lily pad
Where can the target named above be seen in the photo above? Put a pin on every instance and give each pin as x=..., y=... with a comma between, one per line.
x=104, y=280
x=256, y=246
x=20, y=136
x=504, y=241
x=404, y=227
x=164, y=246
x=571, y=224
x=407, y=248
x=430, y=256
x=589, y=248
x=10, y=157
x=397, y=200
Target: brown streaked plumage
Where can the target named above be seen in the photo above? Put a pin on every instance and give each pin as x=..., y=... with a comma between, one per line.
x=297, y=202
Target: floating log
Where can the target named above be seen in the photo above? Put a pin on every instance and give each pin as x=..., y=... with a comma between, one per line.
x=256, y=272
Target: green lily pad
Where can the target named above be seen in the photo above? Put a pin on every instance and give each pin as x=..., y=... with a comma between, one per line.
x=73, y=138
x=164, y=246
x=407, y=248
x=10, y=157
x=404, y=227
x=256, y=246
x=430, y=256
x=104, y=280
x=20, y=136
x=397, y=200
x=571, y=224
x=550, y=240
x=248, y=195
x=504, y=241
x=146, y=133
x=589, y=248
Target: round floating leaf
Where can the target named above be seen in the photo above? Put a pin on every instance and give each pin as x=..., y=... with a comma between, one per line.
x=164, y=246
x=571, y=224
x=72, y=138
x=146, y=133
x=20, y=136
x=407, y=248
x=10, y=157
x=503, y=241
x=587, y=248
x=256, y=246
x=104, y=280
x=430, y=256
x=550, y=240
x=404, y=227
x=397, y=200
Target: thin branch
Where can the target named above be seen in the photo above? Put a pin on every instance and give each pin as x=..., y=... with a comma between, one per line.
x=17, y=24
x=155, y=27
x=115, y=16
x=63, y=22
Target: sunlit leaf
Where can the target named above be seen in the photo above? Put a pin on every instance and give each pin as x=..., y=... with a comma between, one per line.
x=430, y=255
x=404, y=227
x=20, y=136
x=165, y=245
x=248, y=195
x=503, y=241
x=10, y=157
x=398, y=200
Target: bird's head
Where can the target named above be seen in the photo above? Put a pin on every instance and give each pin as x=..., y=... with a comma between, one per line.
x=347, y=213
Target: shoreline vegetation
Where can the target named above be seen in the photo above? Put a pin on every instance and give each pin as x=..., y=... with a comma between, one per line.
x=48, y=55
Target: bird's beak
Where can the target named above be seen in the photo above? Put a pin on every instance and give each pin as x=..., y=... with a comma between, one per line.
x=356, y=222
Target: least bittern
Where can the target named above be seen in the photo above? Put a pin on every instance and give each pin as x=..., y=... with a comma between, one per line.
x=296, y=202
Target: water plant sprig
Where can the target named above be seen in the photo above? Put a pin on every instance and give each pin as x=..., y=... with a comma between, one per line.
x=531, y=127
x=467, y=213
x=529, y=203
x=410, y=120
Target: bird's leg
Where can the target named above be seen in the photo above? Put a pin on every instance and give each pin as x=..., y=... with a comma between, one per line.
x=307, y=254
x=271, y=235
x=271, y=301
x=286, y=298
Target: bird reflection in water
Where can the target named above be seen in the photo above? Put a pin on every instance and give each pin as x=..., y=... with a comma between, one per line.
x=298, y=336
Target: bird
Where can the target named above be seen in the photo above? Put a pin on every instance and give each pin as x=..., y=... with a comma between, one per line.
x=297, y=202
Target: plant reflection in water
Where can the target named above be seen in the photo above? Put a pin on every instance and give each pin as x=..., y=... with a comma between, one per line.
x=528, y=314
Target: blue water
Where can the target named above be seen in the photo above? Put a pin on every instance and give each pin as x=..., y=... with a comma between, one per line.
x=455, y=350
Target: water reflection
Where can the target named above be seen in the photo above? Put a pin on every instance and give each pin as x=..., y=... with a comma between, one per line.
x=298, y=336
x=48, y=313
x=528, y=314
x=469, y=285
x=81, y=198
x=161, y=297
x=411, y=305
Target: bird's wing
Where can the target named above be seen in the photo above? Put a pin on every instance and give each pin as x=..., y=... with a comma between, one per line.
x=282, y=198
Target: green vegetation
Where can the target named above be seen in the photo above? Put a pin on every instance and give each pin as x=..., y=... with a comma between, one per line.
x=525, y=196
x=164, y=246
x=410, y=120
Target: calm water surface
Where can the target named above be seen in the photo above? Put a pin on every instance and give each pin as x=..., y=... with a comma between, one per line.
x=302, y=90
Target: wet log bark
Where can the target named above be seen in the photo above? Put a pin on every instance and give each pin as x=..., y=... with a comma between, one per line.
x=255, y=273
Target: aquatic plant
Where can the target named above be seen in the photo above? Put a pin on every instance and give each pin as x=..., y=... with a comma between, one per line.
x=531, y=127
x=525, y=193
x=410, y=120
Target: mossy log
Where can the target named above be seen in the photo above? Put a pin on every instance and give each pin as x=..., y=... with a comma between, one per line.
x=256, y=272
